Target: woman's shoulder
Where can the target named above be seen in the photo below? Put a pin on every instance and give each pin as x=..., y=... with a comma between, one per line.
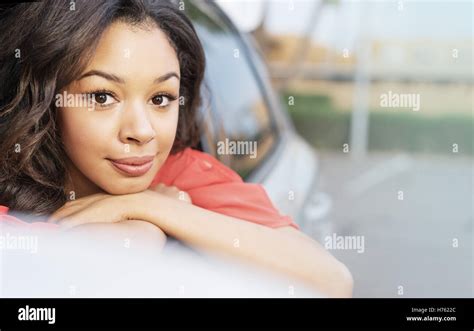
x=210, y=163
x=193, y=167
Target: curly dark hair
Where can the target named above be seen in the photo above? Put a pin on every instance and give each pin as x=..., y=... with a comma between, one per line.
x=45, y=46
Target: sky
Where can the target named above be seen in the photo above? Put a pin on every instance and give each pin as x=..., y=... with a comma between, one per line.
x=342, y=23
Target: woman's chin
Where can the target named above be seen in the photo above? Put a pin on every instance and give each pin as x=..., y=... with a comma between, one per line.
x=129, y=189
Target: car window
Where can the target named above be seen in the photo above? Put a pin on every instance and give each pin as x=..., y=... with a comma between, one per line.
x=245, y=130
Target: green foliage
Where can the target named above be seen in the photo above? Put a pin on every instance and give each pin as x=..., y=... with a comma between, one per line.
x=321, y=124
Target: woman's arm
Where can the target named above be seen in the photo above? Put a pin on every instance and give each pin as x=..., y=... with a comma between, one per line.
x=285, y=250
x=135, y=235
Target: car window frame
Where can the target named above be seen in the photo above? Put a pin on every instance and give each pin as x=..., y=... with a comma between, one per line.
x=275, y=125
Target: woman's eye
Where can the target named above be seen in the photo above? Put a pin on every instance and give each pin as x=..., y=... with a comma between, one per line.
x=161, y=100
x=103, y=99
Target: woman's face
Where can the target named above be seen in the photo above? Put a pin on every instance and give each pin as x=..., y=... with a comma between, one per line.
x=118, y=142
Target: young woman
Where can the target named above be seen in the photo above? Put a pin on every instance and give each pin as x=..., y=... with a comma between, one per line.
x=98, y=119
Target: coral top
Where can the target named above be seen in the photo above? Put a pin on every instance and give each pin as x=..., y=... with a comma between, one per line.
x=211, y=185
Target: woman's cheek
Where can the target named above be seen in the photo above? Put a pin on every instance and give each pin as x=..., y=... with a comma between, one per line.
x=84, y=133
x=87, y=139
x=165, y=127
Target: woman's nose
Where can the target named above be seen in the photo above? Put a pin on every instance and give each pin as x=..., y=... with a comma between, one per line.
x=136, y=126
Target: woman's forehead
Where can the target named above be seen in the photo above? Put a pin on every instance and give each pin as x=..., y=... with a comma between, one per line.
x=128, y=51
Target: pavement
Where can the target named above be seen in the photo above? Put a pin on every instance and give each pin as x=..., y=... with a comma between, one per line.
x=414, y=214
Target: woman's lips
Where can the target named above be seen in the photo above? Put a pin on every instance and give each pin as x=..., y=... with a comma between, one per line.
x=133, y=166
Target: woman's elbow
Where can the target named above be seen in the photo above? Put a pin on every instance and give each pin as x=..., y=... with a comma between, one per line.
x=345, y=282
x=338, y=281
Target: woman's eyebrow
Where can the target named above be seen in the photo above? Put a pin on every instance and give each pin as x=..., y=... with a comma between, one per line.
x=166, y=77
x=102, y=74
x=119, y=80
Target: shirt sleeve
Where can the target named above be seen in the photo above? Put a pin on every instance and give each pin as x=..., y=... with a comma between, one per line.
x=13, y=221
x=213, y=186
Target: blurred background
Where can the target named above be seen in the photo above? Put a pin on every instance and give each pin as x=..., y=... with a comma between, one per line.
x=383, y=92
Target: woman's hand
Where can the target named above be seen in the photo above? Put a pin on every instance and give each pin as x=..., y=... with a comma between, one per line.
x=106, y=208
x=106, y=219
x=96, y=208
